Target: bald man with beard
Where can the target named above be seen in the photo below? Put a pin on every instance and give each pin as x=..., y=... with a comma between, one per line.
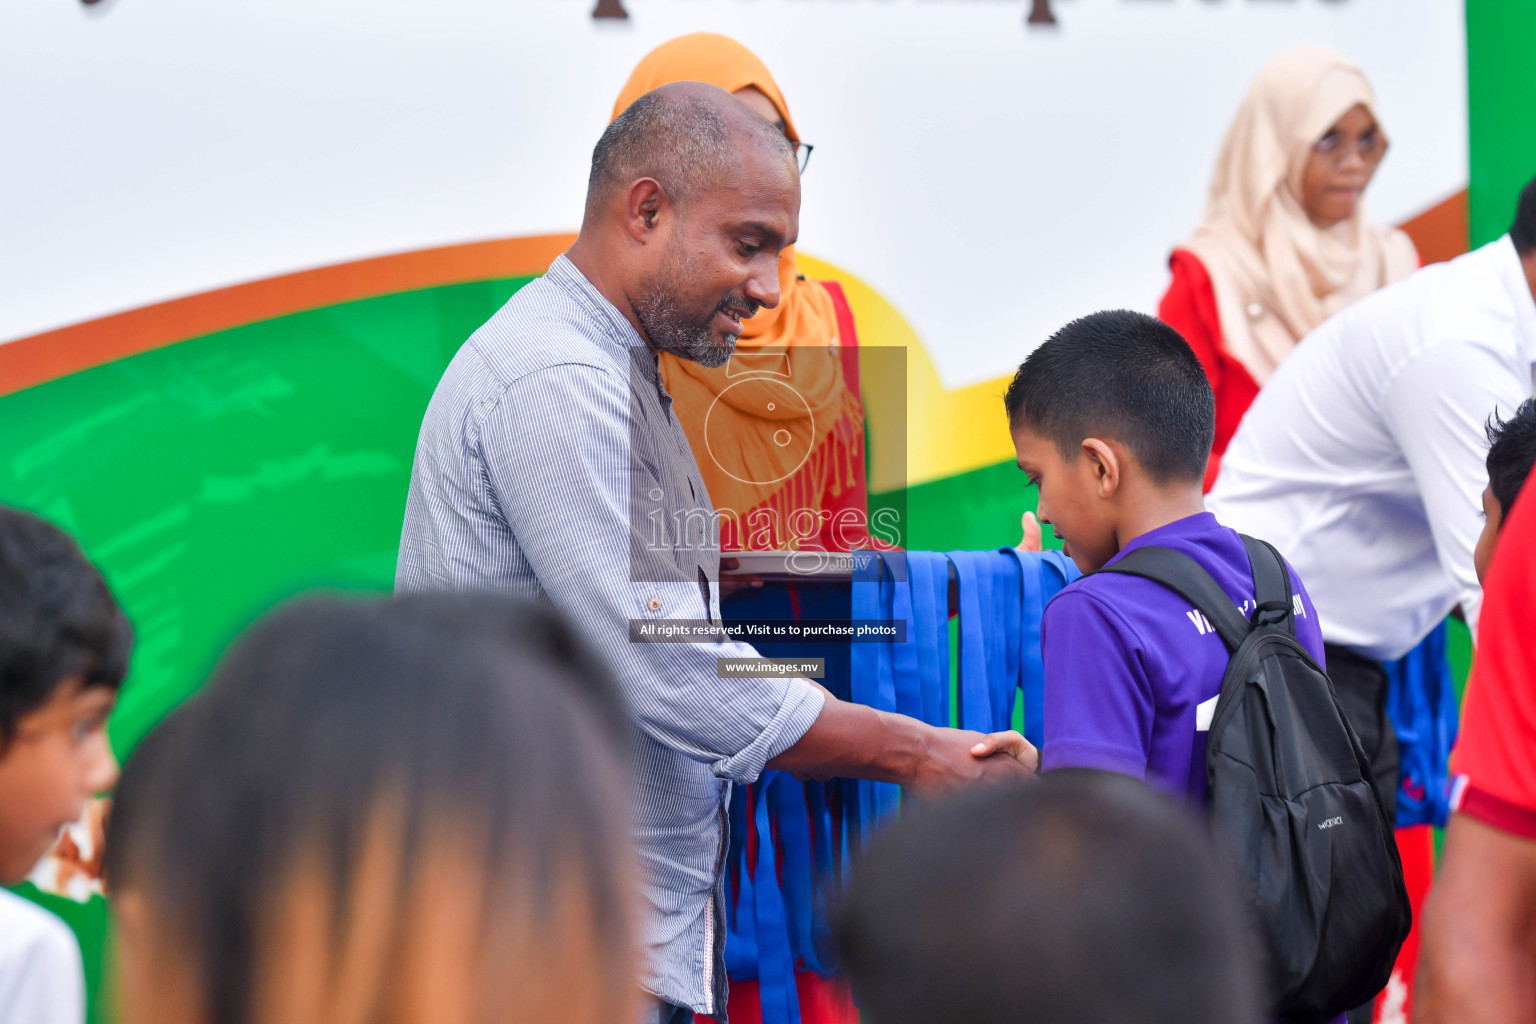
x=550, y=466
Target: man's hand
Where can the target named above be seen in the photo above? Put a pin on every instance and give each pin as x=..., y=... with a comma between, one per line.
x=856, y=742
x=960, y=757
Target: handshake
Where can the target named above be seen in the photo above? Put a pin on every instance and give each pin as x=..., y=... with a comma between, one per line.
x=853, y=741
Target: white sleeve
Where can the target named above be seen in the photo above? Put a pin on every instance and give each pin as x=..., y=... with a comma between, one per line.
x=41, y=979
x=1436, y=407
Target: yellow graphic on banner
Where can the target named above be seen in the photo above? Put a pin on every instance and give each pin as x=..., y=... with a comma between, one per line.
x=949, y=431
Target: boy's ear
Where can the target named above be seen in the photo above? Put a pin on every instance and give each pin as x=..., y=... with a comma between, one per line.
x=1104, y=463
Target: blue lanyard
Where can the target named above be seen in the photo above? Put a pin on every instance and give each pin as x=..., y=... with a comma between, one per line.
x=775, y=958
x=864, y=688
x=777, y=910
x=1421, y=702
x=797, y=848
x=974, y=576
x=1031, y=666
x=928, y=590
x=740, y=900
x=908, y=682
x=873, y=684
x=1007, y=591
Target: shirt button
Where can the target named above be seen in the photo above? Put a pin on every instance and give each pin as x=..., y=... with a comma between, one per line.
x=1254, y=311
x=653, y=604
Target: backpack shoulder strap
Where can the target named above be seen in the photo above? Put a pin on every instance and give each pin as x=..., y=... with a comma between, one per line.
x=1271, y=585
x=1184, y=576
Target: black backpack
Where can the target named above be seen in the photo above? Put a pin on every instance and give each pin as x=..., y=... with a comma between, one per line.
x=1291, y=797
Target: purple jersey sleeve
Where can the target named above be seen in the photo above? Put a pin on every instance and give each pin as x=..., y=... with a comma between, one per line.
x=1099, y=707
x=1309, y=631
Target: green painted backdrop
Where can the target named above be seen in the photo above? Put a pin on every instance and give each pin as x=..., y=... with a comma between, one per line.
x=1501, y=109
x=214, y=478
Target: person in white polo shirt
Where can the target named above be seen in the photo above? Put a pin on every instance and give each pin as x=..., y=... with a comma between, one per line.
x=40, y=973
x=1362, y=460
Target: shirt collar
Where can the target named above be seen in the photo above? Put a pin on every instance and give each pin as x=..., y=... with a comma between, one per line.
x=619, y=335
x=1188, y=526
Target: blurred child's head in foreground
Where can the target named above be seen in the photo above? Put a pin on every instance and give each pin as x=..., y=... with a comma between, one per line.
x=403, y=811
x=1081, y=899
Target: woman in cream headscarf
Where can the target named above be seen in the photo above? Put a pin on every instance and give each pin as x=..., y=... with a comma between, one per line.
x=778, y=430
x=1284, y=244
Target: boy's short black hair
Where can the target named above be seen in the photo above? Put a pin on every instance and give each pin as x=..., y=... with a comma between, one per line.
x=1511, y=453
x=1087, y=897
x=1523, y=231
x=1123, y=375
x=57, y=618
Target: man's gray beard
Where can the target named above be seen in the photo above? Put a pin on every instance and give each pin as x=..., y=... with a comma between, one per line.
x=658, y=314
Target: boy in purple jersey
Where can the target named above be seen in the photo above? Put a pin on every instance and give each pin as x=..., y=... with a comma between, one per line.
x=1112, y=419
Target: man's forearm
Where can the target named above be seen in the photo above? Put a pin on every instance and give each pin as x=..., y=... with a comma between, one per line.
x=858, y=742
x=854, y=741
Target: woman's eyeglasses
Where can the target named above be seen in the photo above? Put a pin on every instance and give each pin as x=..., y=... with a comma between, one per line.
x=802, y=153
x=1336, y=146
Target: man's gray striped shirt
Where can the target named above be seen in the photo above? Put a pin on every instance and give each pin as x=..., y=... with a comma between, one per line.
x=548, y=456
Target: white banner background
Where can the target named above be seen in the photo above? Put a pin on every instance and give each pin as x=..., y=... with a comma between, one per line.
x=992, y=180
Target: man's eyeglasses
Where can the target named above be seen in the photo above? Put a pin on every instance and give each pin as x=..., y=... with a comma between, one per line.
x=802, y=153
x=1336, y=146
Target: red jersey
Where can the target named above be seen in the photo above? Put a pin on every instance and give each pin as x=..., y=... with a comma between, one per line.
x=1189, y=307
x=1495, y=758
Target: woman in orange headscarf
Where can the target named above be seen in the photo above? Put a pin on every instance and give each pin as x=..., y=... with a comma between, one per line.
x=778, y=431
x=1284, y=244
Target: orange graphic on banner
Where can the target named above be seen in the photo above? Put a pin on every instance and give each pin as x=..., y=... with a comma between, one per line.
x=1439, y=233
x=58, y=353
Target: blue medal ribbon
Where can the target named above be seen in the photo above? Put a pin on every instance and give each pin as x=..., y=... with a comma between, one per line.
x=775, y=959
x=777, y=912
